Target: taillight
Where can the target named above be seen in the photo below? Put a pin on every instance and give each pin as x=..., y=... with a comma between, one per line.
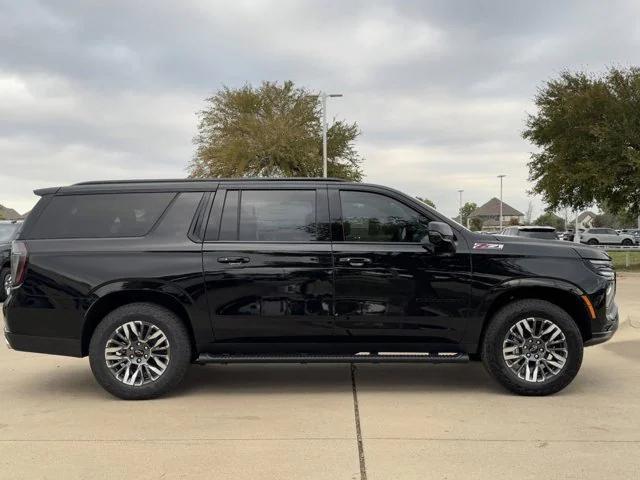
x=19, y=256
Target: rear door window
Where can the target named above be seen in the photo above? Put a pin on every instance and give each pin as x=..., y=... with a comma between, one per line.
x=266, y=216
x=278, y=215
x=101, y=216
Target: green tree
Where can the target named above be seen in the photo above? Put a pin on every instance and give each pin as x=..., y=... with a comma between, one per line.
x=588, y=131
x=611, y=220
x=475, y=224
x=550, y=219
x=466, y=210
x=427, y=201
x=274, y=130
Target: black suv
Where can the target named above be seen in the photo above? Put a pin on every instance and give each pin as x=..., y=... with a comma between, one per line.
x=8, y=232
x=147, y=277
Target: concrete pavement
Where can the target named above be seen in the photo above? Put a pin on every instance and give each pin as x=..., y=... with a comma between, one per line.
x=299, y=421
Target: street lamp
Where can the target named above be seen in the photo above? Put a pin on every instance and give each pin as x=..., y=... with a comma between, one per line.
x=501, y=176
x=460, y=209
x=324, y=96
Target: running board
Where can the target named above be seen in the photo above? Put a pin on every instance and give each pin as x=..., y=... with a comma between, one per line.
x=358, y=358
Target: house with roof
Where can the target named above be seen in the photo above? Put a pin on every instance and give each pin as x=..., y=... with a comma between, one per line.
x=585, y=220
x=489, y=215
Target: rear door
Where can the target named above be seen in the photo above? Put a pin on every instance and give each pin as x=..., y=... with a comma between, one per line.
x=268, y=266
x=389, y=289
x=612, y=236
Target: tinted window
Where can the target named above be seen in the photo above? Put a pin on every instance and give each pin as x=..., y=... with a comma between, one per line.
x=371, y=217
x=104, y=216
x=278, y=215
x=229, y=223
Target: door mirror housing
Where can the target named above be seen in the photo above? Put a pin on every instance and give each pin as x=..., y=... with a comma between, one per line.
x=439, y=237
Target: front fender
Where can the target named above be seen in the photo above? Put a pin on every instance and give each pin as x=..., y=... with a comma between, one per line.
x=519, y=283
x=519, y=287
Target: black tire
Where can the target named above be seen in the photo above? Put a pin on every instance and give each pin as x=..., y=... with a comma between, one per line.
x=176, y=334
x=593, y=241
x=4, y=273
x=498, y=329
x=627, y=242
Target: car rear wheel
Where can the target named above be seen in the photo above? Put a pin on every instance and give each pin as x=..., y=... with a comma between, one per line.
x=592, y=241
x=5, y=278
x=533, y=347
x=140, y=351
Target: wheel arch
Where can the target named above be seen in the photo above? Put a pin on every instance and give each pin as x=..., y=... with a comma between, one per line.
x=114, y=299
x=562, y=294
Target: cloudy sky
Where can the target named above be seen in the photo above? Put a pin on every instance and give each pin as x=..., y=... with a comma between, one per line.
x=109, y=90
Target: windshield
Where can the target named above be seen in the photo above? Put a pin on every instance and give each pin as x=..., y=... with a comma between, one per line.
x=7, y=231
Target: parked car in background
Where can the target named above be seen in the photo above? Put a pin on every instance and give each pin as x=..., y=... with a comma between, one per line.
x=634, y=232
x=569, y=234
x=8, y=232
x=532, y=231
x=605, y=236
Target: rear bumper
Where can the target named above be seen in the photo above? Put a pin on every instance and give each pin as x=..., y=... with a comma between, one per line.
x=55, y=346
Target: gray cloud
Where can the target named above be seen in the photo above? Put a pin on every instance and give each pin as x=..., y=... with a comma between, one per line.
x=440, y=89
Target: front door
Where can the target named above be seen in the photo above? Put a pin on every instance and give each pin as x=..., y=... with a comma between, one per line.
x=268, y=268
x=390, y=292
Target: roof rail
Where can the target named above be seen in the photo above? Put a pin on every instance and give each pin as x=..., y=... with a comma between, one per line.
x=243, y=179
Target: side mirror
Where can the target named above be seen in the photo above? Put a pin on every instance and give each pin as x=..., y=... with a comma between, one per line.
x=439, y=237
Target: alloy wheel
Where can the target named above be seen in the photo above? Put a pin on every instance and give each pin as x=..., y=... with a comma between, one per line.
x=535, y=349
x=137, y=353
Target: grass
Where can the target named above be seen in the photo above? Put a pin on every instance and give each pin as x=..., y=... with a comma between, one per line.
x=620, y=261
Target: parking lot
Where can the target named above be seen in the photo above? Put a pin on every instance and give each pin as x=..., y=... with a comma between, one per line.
x=327, y=421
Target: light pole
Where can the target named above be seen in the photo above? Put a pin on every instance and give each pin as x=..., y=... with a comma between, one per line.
x=323, y=97
x=501, y=176
x=460, y=209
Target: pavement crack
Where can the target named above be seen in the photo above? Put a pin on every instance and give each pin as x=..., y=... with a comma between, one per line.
x=356, y=412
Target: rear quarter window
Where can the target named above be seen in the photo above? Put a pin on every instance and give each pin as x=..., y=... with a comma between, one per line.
x=101, y=215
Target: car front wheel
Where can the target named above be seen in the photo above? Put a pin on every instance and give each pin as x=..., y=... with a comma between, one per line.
x=140, y=351
x=593, y=241
x=533, y=347
x=627, y=242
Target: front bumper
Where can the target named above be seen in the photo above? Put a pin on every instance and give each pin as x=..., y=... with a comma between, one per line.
x=608, y=329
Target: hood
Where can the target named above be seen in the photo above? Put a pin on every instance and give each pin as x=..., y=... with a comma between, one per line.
x=537, y=246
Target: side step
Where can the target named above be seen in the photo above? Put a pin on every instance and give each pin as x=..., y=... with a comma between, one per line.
x=358, y=358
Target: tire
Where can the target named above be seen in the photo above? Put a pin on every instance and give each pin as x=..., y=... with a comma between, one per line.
x=592, y=241
x=499, y=331
x=4, y=274
x=148, y=319
x=626, y=242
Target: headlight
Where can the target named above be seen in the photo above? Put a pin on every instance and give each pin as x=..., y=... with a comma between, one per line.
x=603, y=267
x=610, y=294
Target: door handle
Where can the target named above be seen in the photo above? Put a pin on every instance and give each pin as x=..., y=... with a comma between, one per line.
x=355, y=261
x=233, y=260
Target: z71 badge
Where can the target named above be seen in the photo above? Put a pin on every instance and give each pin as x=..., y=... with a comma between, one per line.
x=487, y=246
